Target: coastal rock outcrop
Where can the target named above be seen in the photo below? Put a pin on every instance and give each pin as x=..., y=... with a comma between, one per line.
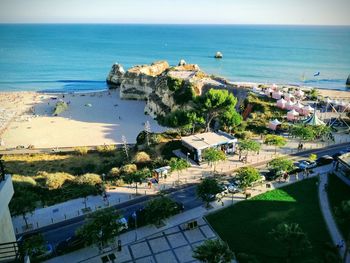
x=166, y=88
x=115, y=76
x=182, y=62
x=348, y=81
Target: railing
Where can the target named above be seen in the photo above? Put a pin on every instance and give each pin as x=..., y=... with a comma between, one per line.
x=10, y=252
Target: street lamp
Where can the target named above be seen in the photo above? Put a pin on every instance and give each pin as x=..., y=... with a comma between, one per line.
x=188, y=154
x=134, y=215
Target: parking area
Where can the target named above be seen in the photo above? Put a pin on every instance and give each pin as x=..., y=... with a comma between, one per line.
x=173, y=245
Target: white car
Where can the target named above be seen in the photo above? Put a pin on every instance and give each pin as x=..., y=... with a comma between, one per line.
x=306, y=164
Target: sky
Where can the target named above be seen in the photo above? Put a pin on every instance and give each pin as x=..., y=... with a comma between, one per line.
x=299, y=12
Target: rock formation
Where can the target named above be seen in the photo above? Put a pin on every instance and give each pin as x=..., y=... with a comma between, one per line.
x=348, y=81
x=182, y=62
x=218, y=55
x=115, y=76
x=155, y=84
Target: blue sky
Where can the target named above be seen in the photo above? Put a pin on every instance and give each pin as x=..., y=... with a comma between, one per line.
x=312, y=12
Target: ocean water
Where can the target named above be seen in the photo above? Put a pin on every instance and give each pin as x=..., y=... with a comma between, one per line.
x=79, y=57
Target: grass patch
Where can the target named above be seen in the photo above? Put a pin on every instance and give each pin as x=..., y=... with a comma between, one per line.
x=245, y=226
x=338, y=191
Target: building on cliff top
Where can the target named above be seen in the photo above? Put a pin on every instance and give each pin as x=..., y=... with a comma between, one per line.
x=196, y=144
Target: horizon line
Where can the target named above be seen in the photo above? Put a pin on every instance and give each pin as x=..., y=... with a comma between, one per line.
x=168, y=24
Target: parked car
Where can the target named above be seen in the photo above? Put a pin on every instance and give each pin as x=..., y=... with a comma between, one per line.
x=305, y=164
x=70, y=244
x=233, y=188
x=325, y=159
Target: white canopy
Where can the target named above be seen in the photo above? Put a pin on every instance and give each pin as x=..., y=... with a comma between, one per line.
x=281, y=103
x=273, y=124
x=307, y=110
x=298, y=106
x=268, y=92
x=274, y=86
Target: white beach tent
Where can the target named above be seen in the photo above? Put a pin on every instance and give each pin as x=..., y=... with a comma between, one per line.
x=281, y=103
x=307, y=110
x=292, y=115
x=290, y=105
x=288, y=97
x=277, y=94
x=299, y=93
x=256, y=89
x=274, y=124
x=268, y=92
x=298, y=107
x=274, y=86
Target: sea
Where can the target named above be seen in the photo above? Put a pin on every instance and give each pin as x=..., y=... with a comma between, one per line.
x=78, y=57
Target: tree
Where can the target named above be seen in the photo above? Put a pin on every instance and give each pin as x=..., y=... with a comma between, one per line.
x=212, y=156
x=215, y=103
x=313, y=157
x=114, y=172
x=137, y=177
x=207, y=189
x=24, y=203
x=343, y=215
x=248, y=146
x=304, y=133
x=34, y=246
x=275, y=140
x=178, y=164
x=142, y=157
x=281, y=164
x=213, y=251
x=128, y=168
x=230, y=118
x=100, y=227
x=89, y=179
x=182, y=119
x=247, y=176
x=160, y=208
x=293, y=237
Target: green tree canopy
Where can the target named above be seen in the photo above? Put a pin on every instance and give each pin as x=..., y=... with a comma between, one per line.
x=137, y=177
x=247, y=176
x=212, y=156
x=34, y=246
x=281, y=164
x=213, y=251
x=208, y=188
x=160, y=208
x=182, y=119
x=230, y=119
x=292, y=237
x=215, y=103
x=178, y=165
x=275, y=140
x=24, y=203
x=303, y=133
x=248, y=146
x=100, y=227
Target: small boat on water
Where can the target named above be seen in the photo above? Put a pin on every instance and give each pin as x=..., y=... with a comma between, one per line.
x=218, y=55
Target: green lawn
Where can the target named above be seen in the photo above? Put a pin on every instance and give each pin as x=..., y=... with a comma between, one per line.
x=338, y=191
x=245, y=225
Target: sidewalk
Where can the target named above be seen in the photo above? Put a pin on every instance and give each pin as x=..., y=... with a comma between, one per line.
x=328, y=216
x=60, y=212
x=144, y=234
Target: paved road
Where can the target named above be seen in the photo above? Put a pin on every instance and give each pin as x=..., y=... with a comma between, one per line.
x=60, y=231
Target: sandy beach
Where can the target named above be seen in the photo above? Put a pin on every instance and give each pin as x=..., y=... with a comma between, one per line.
x=91, y=119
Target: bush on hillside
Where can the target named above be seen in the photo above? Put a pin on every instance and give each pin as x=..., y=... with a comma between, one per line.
x=142, y=157
x=81, y=150
x=88, y=179
x=56, y=180
x=129, y=168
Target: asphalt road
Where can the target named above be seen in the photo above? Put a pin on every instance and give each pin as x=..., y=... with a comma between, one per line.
x=187, y=195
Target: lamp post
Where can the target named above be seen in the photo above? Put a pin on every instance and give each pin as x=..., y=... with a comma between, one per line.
x=134, y=215
x=188, y=154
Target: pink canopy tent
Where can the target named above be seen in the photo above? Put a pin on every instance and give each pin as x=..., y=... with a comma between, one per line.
x=290, y=105
x=274, y=124
x=268, y=92
x=289, y=97
x=292, y=115
x=274, y=86
x=281, y=103
x=299, y=93
x=298, y=107
x=277, y=94
x=307, y=110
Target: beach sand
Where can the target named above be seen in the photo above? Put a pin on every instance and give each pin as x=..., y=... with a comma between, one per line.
x=105, y=121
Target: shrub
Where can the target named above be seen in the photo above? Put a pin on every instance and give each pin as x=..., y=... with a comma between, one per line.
x=89, y=179
x=23, y=180
x=142, y=157
x=128, y=168
x=114, y=172
x=106, y=149
x=81, y=150
x=56, y=180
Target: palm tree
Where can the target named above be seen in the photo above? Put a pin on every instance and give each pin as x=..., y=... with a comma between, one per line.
x=213, y=251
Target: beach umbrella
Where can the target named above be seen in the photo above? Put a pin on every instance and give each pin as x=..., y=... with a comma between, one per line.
x=292, y=115
x=281, y=103
x=277, y=94
x=274, y=124
x=290, y=105
x=307, y=110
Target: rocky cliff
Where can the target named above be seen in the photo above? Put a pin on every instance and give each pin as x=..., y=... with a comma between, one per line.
x=348, y=81
x=166, y=88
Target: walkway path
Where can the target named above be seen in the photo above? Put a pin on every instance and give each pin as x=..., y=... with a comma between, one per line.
x=327, y=214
